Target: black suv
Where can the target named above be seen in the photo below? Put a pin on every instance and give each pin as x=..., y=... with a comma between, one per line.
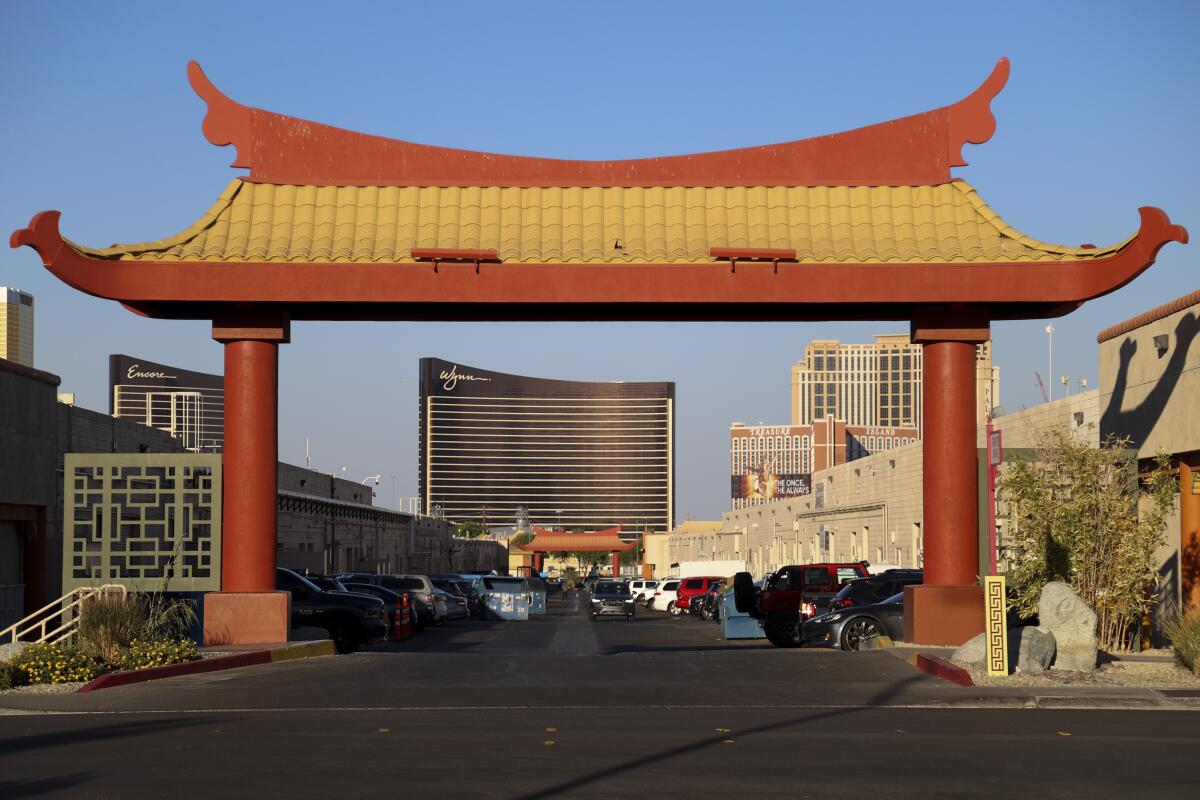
x=352, y=620
x=875, y=589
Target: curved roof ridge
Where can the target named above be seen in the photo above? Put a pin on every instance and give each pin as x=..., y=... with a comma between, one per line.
x=1009, y=231
x=224, y=201
x=917, y=149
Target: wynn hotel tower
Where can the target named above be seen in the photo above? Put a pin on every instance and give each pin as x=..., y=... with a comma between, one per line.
x=574, y=455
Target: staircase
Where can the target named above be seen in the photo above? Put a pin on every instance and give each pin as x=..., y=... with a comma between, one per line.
x=57, y=620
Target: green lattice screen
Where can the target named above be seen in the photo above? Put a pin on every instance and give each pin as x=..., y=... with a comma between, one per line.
x=131, y=518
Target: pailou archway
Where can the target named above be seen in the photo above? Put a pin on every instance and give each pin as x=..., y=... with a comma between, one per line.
x=329, y=224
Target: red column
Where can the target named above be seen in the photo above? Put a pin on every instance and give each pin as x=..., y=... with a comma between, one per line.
x=950, y=491
x=249, y=463
x=616, y=559
x=948, y=608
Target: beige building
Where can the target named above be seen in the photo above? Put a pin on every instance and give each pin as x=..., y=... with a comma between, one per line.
x=16, y=326
x=1150, y=392
x=876, y=384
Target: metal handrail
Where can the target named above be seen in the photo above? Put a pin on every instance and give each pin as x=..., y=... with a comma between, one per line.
x=67, y=627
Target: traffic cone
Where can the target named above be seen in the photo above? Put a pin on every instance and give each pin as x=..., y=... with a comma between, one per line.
x=401, y=626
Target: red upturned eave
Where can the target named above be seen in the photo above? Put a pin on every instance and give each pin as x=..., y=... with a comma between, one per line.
x=915, y=150
x=605, y=541
x=539, y=291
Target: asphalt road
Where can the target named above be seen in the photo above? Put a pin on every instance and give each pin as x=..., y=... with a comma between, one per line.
x=563, y=707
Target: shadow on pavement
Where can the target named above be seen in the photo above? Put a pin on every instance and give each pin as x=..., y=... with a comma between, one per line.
x=598, y=776
x=10, y=790
x=16, y=744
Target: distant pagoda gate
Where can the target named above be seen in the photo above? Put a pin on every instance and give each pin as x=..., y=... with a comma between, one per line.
x=868, y=224
x=605, y=541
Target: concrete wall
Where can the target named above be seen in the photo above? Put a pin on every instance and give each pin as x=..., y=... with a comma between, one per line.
x=27, y=430
x=1079, y=414
x=1150, y=392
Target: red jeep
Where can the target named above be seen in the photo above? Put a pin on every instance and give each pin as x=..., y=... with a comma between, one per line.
x=689, y=588
x=791, y=595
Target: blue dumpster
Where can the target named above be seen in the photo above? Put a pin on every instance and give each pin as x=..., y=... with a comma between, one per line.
x=503, y=597
x=537, y=595
x=736, y=624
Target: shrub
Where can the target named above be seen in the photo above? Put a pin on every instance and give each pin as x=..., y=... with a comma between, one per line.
x=1076, y=519
x=1184, y=633
x=142, y=654
x=109, y=623
x=11, y=675
x=57, y=663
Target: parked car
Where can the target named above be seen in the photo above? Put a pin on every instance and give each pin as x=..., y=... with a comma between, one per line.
x=350, y=619
x=458, y=587
x=791, y=595
x=640, y=588
x=692, y=587
x=852, y=627
x=392, y=601
x=709, y=606
x=663, y=598
x=452, y=606
x=326, y=582
x=611, y=598
x=875, y=589
x=419, y=589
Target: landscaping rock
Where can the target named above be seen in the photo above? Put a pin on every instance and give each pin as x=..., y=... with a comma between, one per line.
x=1029, y=649
x=973, y=653
x=11, y=650
x=1073, y=624
x=1032, y=648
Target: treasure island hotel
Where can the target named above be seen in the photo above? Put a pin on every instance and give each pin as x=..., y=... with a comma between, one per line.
x=574, y=455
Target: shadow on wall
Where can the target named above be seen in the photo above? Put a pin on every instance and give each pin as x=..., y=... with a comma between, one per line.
x=1136, y=423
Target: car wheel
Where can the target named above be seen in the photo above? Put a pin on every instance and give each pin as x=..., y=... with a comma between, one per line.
x=858, y=631
x=344, y=639
x=783, y=628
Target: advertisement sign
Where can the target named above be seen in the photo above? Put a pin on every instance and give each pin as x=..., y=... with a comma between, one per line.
x=763, y=485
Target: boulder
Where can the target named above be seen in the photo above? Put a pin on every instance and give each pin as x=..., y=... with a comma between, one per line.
x=1029, y=650
x=973, y=653
x=11, y=650
x=1073, y=623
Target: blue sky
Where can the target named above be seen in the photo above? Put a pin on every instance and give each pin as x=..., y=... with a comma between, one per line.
x=1098, y=118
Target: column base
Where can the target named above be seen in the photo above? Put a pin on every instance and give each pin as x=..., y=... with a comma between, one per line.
x=942, y=615
x=246, y=618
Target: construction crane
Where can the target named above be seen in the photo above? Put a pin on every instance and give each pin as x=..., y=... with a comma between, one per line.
x=1041, y=386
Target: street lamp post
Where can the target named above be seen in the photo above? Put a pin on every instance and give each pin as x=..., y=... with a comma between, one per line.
x=1050, y=364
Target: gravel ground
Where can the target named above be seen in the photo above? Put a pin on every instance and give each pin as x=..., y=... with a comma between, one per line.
x=1128, y=674
x=45, y=688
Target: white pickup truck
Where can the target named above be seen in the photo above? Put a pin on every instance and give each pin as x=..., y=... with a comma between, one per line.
x=642, y=589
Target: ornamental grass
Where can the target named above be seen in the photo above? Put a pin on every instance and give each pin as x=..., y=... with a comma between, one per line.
x=1184, y=633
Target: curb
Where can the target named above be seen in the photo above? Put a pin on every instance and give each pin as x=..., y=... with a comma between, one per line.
x=941, y=668
x=216, y=664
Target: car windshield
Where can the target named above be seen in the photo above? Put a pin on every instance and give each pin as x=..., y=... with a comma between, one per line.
x=611, y=587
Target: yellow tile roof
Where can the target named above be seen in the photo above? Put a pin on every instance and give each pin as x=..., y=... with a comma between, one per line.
x=873, y=224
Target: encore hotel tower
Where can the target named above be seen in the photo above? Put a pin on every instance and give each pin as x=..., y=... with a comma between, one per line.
x=575, y=455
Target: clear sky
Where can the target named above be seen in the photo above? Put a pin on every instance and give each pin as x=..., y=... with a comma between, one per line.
x=1098, y=118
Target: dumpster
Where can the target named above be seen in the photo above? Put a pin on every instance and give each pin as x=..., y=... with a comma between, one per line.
x=537, y=595
x=503, y=597
x=736, y=624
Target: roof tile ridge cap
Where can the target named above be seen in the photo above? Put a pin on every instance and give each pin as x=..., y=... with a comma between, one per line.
x=223, y=201
x=1146, y=317
x=1005, y=229
x=971, y=119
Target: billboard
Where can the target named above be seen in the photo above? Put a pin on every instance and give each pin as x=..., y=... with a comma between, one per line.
x=762, y=484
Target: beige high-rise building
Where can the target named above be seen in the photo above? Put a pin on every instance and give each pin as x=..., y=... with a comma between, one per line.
x=876, y=384
x=16, y=326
